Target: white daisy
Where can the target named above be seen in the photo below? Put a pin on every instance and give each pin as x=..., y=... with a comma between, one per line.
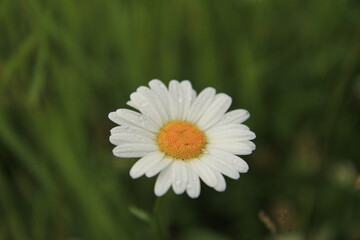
x=183, y=136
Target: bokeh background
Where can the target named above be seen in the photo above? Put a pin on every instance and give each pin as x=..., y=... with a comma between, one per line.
x=64, y=65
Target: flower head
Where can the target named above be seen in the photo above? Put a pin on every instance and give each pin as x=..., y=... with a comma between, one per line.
x=182, y=136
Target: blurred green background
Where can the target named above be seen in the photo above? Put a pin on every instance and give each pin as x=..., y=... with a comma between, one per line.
x=64, y=65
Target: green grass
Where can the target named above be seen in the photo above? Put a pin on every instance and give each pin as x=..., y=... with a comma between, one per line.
x=64, y=65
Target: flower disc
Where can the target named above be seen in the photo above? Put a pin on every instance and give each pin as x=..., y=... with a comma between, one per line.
x=181, y=140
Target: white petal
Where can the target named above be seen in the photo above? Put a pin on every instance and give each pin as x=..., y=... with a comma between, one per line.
x=155, y=102
x=250, y=144
x=175, y=100
x=133, y=130
x=238, y=148
x=236, y=131
x=160, y=89
x=119, y=138
x=179, y=176
x=201, y=103
x=204, y=172
x=193, y=187
x=193, y=94
x=133, y=150
x=127, y=117
x=145, y=163
x=159, y=166
x=238, y=163
x=163, y=181
x=221, y=184
x=222, y=166
x=221, y=128
x=188, y=97
x=215, y=111
x=235, y=116
x=146, y=107
x=131, y=104
x=227, y=141
x=231, y=135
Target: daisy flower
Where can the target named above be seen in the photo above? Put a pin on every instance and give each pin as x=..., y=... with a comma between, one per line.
x=182, y=136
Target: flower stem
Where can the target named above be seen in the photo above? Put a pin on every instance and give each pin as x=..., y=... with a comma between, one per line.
x=156, y=220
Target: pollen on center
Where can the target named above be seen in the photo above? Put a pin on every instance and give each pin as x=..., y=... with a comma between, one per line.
x=181, y=140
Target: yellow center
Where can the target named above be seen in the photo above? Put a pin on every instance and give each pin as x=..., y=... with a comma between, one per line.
x=181, y=140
